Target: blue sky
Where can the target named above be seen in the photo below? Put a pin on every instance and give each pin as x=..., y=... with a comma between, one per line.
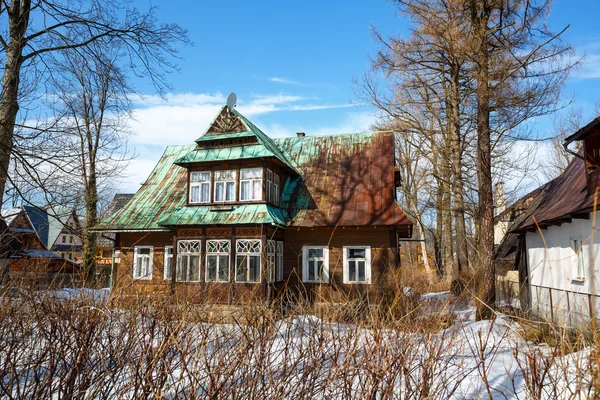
x=291, y=65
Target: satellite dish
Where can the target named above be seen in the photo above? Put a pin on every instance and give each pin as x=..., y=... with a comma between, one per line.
x=231, y=100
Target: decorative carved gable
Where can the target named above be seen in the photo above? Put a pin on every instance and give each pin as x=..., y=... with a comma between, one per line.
x=226, y=122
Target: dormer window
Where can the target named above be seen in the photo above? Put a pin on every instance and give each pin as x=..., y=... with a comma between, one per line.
x=200, y=187
x=225, y=185
x=250, y=184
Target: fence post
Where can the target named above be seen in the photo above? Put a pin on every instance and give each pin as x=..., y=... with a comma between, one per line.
x=569, y=309
x=551, y=306
x=592, y=316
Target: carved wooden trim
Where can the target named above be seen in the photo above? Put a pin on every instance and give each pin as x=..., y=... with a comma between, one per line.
x=218, y=232
x=189, y=232
x=242, y=231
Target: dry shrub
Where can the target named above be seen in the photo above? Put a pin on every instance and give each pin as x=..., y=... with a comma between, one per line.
x=160, y=348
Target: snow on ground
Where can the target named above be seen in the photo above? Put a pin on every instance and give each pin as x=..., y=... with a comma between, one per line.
x=306, y=357
x=84, y=294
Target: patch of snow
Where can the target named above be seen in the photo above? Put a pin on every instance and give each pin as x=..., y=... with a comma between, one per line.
x=85, y=294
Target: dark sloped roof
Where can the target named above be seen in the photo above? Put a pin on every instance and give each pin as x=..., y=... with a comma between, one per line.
x=559, y=198
x=48, y=224
x=346, y=180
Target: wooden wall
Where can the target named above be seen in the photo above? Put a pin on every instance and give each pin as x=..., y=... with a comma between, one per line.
x=382, y=261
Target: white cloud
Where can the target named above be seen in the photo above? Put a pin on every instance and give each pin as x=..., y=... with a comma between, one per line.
x=279, y=79
x=590, y=67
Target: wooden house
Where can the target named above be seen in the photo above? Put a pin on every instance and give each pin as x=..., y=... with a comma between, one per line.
x=32, y=262
x=238, y=214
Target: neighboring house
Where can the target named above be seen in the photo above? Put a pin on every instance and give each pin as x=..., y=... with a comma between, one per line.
x=557, y=245
x=30, y=262
x=57, y=229
x=238, y=215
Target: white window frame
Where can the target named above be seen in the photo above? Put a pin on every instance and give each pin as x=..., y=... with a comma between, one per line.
x=276, y=189
x=199, y=185
x=346, y=269
x=181, y=253
x=241, y=251
x=577, y=247
x=279, y=262
x=271, y=261
x=166, y=261
x=251, y=184
x=225, y=182
x=150, y=257
x=306, y=260
x=269, y=185
x=217, y=253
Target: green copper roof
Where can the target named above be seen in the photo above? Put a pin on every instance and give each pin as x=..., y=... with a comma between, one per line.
x=164, y=191
x=239, y=214
x=265, y=147
x=225, y=136
x=225, y=153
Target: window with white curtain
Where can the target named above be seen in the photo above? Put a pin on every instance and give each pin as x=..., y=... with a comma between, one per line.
x=188, y=260
x=200, y=187
x=315, y=264
x=142, y=262
x=217, y=260
x=250, y=184
x=279, y=262
x=248, y=260
x=271, y=257
x=168, y=263
x=225, y=185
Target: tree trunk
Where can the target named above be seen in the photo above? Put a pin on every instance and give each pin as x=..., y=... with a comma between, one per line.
x=89, y=238
x=18, y=16
x=457, y=162
x=439, y=220
x=486, y=273
x=448, y=248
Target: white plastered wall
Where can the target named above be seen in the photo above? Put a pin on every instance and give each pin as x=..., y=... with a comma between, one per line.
x=553, y=264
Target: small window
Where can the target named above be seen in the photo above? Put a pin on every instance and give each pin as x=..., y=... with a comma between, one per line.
x=188, y=260
x=64, y=238
x=107, y=253
x=168, y=263
x=577, y=246
x=200, y=187
x=217, y=260
x=250, y=184
x=248, y=260
x=142, y=262
x=315, y=264
x=357, y=264
x=70, y=239
x=225, y=185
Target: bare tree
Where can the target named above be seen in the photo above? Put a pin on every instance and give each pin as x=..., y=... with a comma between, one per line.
x=519, y=70
x=33, y=31
x=90, y=101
